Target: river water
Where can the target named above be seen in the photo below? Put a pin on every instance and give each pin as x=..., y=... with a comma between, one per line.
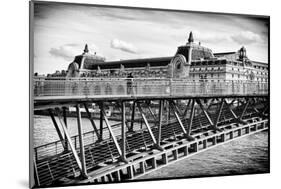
x=245, y=155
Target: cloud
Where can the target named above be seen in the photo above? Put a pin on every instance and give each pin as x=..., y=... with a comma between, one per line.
x=69, y=51
x=246, y=37
x=123, y=46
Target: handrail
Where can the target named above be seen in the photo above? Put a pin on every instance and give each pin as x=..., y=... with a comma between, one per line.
x=136, y=87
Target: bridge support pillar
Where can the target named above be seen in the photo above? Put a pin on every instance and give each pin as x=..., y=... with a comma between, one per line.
x=81, y=143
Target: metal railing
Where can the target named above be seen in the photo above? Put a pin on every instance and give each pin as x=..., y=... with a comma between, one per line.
x=140, y=87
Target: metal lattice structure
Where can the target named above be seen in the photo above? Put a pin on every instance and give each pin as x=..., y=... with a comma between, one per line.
x=169, y=119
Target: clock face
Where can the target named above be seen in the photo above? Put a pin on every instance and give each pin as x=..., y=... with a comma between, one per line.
x=177, y=65
x=179, y=60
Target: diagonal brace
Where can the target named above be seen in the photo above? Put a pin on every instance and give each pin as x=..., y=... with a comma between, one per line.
x=244, y=109
x=205, y=112
x=148, y=128
x=215, y=127
x=92, y=122
x=113, y=136
x=186, y=133
x=68, y=138
x=57, y=129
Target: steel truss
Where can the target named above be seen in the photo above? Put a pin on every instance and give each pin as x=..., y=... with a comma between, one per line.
x=226, y=119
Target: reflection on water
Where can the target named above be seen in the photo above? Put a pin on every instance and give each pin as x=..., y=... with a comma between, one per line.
x=245, y=155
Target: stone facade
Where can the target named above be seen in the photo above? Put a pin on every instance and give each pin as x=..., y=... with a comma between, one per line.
x=191, y=61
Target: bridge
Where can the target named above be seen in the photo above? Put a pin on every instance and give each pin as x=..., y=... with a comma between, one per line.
x=161, y=121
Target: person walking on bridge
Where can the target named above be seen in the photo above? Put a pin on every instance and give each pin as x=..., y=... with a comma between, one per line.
x=130, y=84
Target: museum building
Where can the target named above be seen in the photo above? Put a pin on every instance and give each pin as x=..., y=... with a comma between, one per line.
x=191, y=61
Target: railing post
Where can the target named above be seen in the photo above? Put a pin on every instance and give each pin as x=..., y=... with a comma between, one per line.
x=123, y=131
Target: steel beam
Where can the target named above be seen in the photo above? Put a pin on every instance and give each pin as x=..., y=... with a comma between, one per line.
x=152, y=113
x=92, y=122
x=112, y=135
x=186, y=109
x=123, y=131
x=191, y=119
x=215, y=127
x=148, y=128
x=178, y=119
x=185, y=132
x=233, y=114
x=244, y=109
x=160, y=121
x=65, y=122
x=101, y=119
x=177, y=109
x=133, y=116
x=167, y=111
x=205, y=112
x=68, y=138
x=36, y=177
x=81, y=143
x=57, y=128
x=265, y=109
x=231, y=111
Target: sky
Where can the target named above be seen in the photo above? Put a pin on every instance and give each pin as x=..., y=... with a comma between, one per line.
x=62, y=30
